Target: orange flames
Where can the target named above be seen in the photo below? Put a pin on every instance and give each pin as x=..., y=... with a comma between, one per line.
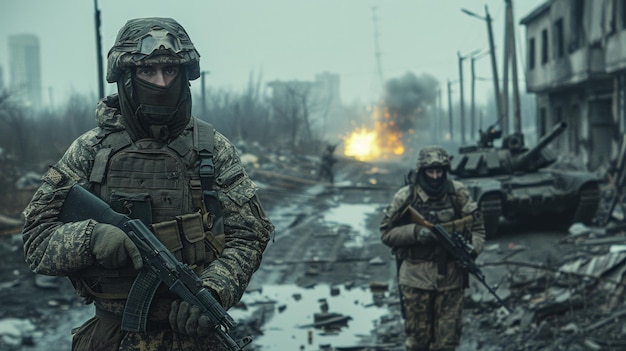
x=380, y=142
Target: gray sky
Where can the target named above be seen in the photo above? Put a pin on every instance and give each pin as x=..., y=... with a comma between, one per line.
x=280, y=39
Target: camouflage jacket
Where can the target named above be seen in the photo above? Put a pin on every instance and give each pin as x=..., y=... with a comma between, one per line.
x=54, y=248
x=396, y=233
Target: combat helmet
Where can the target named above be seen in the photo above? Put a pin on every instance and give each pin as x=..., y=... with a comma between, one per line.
x=152, y=40
x=433, y=156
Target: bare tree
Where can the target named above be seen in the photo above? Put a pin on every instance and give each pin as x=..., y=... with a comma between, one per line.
x=290, y=107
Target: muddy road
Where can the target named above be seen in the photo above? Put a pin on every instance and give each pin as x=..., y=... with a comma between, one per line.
x=325, y=260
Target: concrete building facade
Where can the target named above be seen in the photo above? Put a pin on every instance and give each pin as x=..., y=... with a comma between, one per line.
x=576, y=67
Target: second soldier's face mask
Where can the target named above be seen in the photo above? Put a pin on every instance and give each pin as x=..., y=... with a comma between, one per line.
x=435, y=176
x=432, y=182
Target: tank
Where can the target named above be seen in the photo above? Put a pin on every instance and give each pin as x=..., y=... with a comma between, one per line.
x=516, y=183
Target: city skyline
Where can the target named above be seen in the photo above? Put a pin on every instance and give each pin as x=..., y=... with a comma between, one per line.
x=276, y=40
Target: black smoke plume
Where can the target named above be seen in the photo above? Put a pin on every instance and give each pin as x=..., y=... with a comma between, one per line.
x=407, y=99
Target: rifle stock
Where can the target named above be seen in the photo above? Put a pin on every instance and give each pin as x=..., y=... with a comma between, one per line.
x=458, y=247
x=160, y=266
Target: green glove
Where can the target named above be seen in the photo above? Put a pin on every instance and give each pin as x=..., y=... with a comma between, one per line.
x=112, y=248
x=423, y=235
x=186, y=319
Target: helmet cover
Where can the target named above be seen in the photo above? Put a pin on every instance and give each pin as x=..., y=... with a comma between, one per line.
x=152, y=40
x=433, y=156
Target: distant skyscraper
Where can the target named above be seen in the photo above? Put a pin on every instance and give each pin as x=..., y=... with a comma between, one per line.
x=326, y=88
x=25, y=68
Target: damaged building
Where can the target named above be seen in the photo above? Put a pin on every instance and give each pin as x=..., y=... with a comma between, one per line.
x=576, y=67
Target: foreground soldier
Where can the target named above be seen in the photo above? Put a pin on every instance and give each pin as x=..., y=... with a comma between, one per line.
x=144, y=160
x=431, y=284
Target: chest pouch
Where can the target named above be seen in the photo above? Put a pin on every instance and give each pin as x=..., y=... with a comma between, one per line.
x=185, y=238
x=137, y=206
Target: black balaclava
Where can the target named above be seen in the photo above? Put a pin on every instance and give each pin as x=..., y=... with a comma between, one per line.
x=151, y=111
x=433, y=187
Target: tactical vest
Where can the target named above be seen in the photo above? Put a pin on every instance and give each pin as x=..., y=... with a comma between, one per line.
x=441, y=210
x=164, y=186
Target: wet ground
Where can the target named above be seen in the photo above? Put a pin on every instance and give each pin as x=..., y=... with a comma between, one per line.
x=325, y=261
x=325, y=237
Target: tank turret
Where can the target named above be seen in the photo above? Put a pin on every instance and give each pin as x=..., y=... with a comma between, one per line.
x=484, y=159
x=514, y=182
x=538, y=156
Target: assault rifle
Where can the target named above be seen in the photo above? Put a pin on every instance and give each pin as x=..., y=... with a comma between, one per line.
x=160, y=266
x=459, y=247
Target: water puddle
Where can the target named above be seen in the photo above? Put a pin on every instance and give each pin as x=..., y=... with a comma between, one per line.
x=354, y=216
x=288, y=313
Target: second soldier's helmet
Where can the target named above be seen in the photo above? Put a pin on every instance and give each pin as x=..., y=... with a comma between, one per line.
x=152, y=40
x=433, y=156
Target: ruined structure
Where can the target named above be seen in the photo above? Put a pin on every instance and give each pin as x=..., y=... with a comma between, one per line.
x=576, y=66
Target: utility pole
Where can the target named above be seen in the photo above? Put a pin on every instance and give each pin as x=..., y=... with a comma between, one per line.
x=473, y=110
x=517, y=119
x=494, y=66
x=203, y=90
x=99, y=50
x=450, y=110
x=462, y=98
x=505, y=77
x=379, y=66
x=440, y=115
x=461, y=58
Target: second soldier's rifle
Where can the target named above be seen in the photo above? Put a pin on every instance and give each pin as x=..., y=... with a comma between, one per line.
x=458, y=247
x=160, y=266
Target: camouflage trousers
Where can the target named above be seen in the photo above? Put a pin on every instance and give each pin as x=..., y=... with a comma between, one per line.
x=100, y=334
x=432, y=318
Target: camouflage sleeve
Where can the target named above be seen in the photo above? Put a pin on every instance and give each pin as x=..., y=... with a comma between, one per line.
x=246, y=226
x=51, y=247
x=394, y=232
x=469, y=207
x=395, y=208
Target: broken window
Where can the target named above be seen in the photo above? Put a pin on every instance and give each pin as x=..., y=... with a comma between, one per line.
x=531, y=53
x=623, y=13
x=544, y=46
x=558, y=38
x=542, y=121
x=576, y=34
x=611, y=17
x=574, y=137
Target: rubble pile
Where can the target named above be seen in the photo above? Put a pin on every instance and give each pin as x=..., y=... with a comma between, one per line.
x=573, y=302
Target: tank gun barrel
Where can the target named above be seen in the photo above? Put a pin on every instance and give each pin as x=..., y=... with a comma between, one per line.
x=531, y=153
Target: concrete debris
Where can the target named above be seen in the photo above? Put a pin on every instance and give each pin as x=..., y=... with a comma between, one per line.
x=572, y=301
x=377, y=261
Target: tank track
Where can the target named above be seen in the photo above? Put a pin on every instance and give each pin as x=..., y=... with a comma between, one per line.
x=491, y=209
x=588, y=202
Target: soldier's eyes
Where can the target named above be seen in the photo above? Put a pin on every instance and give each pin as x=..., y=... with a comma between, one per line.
x=172, y=71
x=144, y=71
